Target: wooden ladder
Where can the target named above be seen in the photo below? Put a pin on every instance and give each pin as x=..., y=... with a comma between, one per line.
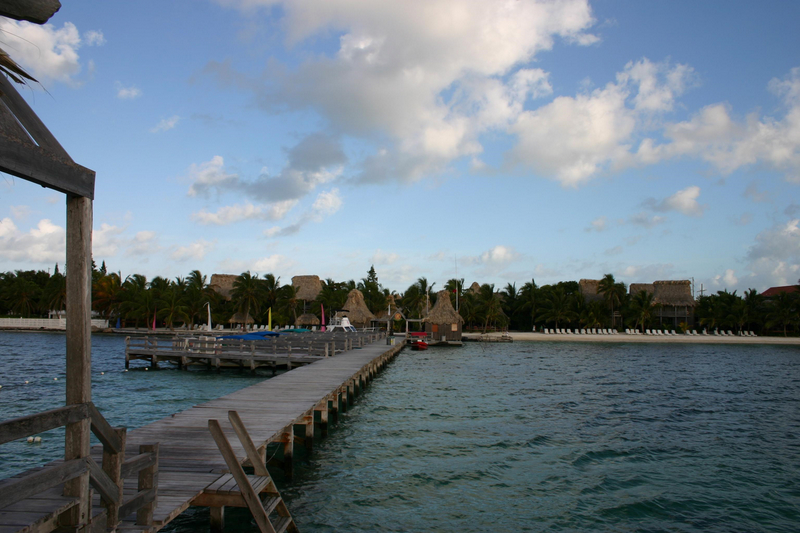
x=237, y=489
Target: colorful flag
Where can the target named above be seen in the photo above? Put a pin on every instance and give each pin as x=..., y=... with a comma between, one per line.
x=322, y=307
x=269, y=320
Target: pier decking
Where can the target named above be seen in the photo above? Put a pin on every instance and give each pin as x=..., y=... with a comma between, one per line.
x=280, y=413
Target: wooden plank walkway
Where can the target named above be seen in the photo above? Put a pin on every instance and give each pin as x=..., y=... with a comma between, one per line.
x=189, y=460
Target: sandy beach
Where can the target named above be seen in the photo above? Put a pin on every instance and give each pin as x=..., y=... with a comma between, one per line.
x=644, y=339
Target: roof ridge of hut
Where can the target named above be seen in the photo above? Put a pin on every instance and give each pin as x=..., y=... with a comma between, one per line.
x=443, y=311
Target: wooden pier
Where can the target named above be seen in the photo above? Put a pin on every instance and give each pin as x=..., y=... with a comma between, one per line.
x=279, y=417
x=287, y=351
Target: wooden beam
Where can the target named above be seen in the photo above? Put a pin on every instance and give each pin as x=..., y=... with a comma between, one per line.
x=29, y=120
x=103, y=431
x=33, y=163
x=17, y=489
x=259, y=466
x=37, y=11
x=105, y=486
x=22, y=427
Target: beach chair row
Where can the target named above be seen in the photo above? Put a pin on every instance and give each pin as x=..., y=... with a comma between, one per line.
x=576, y=331
x=716, y=333
x=656, y=332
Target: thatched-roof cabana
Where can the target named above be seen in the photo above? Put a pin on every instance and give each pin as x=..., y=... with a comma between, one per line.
x=240, y=318
x=222, y=284
x=307, y=287
x=443, y=322
x=675, y=293
x=590, y=289
x=308, y=319
x=355, y=308
x=475, y=288
x=636, y=288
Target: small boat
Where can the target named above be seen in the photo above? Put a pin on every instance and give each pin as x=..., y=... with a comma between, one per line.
x=340, y=324
x=419, y=345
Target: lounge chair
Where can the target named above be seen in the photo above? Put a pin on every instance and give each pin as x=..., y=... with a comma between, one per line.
x=673, y=332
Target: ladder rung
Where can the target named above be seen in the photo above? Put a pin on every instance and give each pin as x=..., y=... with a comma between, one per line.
x=270, y=503
x=282, y=523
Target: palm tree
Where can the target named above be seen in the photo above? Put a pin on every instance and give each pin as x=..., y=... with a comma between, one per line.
x=198, y=295
x=556, y=307
x=23, y=295
x=510, y=301
x=107, y=295
x=612, y=292
x=138, y=300
x=782, y=311
x=528, y=298
x=490, y=305
x=54, y=296
x=643, y=307
x=172, y=304
x=246, y=293
x=289, y=302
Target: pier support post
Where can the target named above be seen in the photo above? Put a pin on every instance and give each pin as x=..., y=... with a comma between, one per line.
x=288, y=452
x=321, y=418
x=309, y=435
x=217, y=519
x=79, y=348
x=333, y=408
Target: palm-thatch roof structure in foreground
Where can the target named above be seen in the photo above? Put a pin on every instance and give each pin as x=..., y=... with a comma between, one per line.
x=355, y=309
x=308, y=319
x=307, y=287
x=443, y=322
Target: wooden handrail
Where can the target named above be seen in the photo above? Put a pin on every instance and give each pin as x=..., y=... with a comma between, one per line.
x=103, y=430
x=17, y=489
x=25, y=426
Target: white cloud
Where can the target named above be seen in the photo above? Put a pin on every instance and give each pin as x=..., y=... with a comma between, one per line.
x=727, y=280
x=107, y=240
x=683, y=201
x=774, y=258
x=271, y=264
x=383, y=258
x=572, y=139
x=236, y=213
x=196, y=251
x=127, y=93
x=20, y=212
x=599, y=224
x=326, y=204
x=451, y=70
x=47, y=52
x=144, y=244
x=495, y=258
x=46, y=243
x=94, y=38
x=166, y=124
x=714, y=136
x=646, y=221
x=211, y=175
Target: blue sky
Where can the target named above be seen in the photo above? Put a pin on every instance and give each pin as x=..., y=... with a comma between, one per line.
x=512, y=140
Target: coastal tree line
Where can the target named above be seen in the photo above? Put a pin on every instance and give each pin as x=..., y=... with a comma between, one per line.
x=138, y=302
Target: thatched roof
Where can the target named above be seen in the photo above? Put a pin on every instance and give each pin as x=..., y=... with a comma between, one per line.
x=443, y=312
x=677, y=293
x=307, y=287
x=239, y=318
x=590, y=289
x=308, y=319
x=636, y=288
x=357, y=310
x=475, y=287
x=222, y=284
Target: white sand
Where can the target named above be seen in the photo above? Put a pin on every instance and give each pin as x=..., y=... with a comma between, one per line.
x=623, y=337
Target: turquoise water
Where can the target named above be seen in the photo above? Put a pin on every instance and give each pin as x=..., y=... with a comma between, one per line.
x=519, y=437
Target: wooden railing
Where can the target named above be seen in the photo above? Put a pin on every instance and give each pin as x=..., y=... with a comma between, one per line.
x=107, y=480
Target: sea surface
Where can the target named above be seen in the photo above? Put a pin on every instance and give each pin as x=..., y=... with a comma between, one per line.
x=497, y=437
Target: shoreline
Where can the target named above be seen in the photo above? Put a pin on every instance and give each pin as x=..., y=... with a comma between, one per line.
x=526, y=336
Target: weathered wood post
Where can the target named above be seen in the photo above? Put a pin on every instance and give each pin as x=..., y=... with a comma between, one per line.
x=112, y=465
x=79, y=347
x=148, y=480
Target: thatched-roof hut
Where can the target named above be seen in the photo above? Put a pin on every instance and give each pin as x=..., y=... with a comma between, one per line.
x=674, y=299
x=222, y=284
x=308, y=319
x=443, y=322
x=355, y=309
x=475, y=288
x=590, y=289
x=636, y=288
x=240, y=318
x=674, y=293
x=307, y=287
